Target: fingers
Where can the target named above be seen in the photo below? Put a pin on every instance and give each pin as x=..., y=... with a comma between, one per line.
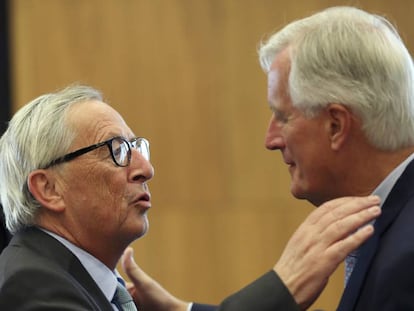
x=344, y=227
x=342, y=207
x=146, y=292
x=127, y=260
x=341, y=226
x=342, y=248
x=127, y=256
x=134, y=273
x=342, y=216
x=334, y=221
x=322, y=242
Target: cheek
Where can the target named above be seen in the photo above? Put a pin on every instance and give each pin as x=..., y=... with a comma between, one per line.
x=308, y=158
x=104, y=191
x=112, y=192
x=313, y=169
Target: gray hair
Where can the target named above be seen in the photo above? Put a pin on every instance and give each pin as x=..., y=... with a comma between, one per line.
x=348, y=56
x=37, y=134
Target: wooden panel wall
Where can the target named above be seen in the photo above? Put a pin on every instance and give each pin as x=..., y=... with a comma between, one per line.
x=185, y=75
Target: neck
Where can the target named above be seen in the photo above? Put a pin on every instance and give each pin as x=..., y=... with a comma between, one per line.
x=107, y=254
x=359, y=174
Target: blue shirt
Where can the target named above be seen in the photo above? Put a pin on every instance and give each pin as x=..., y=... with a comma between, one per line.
x=384, y=188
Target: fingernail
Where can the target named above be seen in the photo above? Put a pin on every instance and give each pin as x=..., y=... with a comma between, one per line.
x=374, y=198
x=376, y=210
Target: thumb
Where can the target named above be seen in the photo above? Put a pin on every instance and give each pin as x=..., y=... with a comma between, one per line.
x=132, y=270
x=147, y=293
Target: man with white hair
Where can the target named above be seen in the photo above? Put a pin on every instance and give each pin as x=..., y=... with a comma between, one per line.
x=340, y=88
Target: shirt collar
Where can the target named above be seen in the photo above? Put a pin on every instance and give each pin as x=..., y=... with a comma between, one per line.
x=384, y=188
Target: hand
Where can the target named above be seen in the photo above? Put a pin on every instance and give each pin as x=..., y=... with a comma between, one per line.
x=148, y=295
x=322, y=242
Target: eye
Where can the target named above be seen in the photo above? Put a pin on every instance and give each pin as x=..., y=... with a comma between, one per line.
x=280, y=117
x=119, y=149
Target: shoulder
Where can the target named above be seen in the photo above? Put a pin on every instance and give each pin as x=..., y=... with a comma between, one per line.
x=31, y=287
x=37, y=271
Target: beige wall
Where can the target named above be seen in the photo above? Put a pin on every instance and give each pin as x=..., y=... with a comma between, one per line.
x=184, y=74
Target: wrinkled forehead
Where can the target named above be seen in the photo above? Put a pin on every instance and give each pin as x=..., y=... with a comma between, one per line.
x=94, y=121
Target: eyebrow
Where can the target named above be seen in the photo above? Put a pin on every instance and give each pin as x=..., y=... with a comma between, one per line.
x=273, y=108
x=113, y=134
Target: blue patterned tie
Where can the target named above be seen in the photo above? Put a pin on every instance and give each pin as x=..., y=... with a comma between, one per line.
x=350, y=262
x=122, y=299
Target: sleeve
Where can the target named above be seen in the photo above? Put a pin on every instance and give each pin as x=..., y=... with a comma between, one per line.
x=202, y=307
x=268, y=293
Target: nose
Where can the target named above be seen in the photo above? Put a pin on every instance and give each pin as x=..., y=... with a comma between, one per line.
x=273, y=138
x=141, y=169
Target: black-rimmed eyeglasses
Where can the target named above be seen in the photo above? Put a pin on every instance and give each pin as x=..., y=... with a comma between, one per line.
x=119, y=147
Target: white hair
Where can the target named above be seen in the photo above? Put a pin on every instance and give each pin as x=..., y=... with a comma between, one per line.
x=348, y=56
x=37, y=134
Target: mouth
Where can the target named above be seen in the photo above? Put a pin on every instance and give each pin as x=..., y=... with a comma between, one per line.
x=143, y=201
x=289, y=163
x=291, y=166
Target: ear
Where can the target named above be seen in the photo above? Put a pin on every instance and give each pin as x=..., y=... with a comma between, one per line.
x=42, y=185
x=339, y=124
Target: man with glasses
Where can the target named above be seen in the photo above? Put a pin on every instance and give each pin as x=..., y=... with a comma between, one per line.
x=74, y=190
x=72, y=209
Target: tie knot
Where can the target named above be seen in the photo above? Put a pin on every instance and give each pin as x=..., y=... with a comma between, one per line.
x=121, y=280
x=122, y=299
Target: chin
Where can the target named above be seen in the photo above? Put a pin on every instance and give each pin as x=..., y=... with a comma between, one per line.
x=300, y=194
x=143, y=227
x=297, y=192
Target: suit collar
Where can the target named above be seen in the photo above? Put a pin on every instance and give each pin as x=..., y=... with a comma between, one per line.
x=44, y=245
x=391, y=207
x=101, y=274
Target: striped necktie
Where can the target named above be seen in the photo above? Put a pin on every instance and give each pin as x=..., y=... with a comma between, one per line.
x=122, y=299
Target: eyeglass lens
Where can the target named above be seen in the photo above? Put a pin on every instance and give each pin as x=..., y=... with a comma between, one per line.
x=122, y=152
x=142, y=146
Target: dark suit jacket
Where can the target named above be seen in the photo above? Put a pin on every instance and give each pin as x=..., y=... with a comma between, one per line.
x=267, y=293
x=38, y=272
x=383, y=278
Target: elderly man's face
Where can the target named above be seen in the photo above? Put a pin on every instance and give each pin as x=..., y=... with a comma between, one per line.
x=303, y=142
x=106, y=205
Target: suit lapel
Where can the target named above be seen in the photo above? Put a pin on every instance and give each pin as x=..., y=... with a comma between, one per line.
x=45, y=245
x=392, y=206
x=353, y=287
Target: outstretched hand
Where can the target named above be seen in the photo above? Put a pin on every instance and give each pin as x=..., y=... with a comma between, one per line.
x=312, y=254
x=322, y=242
x=148, y=295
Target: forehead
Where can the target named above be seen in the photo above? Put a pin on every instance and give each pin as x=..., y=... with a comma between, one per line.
x=277, y=79
x=95, y=121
